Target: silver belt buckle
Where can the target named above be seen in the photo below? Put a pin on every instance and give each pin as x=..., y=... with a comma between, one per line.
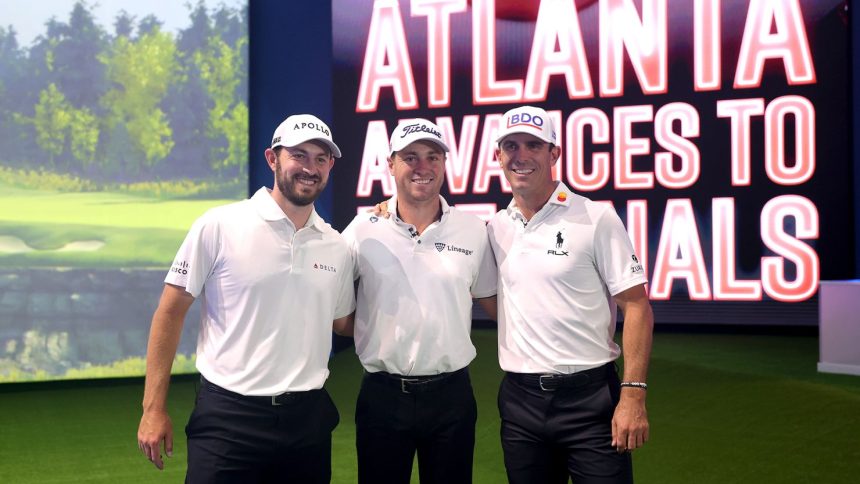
x=404, y=381
x=275, y=402
x=540, y=383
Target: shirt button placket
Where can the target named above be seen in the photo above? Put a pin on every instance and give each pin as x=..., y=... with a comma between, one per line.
x=291, y=252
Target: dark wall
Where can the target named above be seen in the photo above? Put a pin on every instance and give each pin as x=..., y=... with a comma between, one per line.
x=855, y=91
x=290, y=57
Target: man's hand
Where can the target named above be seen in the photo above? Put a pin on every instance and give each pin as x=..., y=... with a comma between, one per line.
x=630, y=422
x=380, y=210
x=155, y=428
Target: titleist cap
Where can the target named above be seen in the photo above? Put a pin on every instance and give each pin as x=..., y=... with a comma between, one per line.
x=413, y=130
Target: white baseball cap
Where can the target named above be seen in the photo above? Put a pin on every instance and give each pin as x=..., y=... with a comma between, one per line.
x=418, y=129
x=530, y=120
x=299, y=128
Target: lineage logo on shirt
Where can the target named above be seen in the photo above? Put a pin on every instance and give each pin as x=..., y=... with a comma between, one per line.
x=440, y=246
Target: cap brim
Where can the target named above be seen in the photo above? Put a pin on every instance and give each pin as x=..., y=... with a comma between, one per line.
x=522, y=131
x=335, y=151
x=431, y=139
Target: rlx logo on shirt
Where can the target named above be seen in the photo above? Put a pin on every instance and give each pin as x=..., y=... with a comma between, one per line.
x=559, y=243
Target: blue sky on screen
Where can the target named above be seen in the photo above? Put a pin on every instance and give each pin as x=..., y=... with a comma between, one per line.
x=28, y=17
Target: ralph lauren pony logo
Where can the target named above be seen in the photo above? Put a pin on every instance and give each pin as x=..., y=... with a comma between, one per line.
x=440, y=246
x=559, y=244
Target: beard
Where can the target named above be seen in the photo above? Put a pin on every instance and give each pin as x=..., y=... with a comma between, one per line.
x=294, y=191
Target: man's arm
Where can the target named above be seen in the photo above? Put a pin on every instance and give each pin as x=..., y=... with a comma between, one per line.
x=345, y=326
x=155, y=426
x=630, y=422
x=490, y=306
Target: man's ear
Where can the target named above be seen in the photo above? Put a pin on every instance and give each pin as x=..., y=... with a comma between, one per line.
x=498, y=154
x=390, y=165
x=556, y=153
x=271, y=158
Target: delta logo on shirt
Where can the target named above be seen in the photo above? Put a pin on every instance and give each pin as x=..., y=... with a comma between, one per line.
x=325, y=267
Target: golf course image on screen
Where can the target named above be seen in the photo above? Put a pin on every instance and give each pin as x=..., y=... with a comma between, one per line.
x=119, y=126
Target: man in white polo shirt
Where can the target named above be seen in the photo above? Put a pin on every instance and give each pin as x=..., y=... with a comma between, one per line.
x=565, y=262
x=272, y=277
x=419, y=268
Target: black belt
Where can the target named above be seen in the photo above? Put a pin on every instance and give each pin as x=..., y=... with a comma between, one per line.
x=415, y=384
x=550, y=382
x=273, y=400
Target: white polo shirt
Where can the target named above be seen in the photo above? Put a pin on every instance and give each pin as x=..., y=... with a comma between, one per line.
x=414, y=300
x=557, y=276
x=269, y=295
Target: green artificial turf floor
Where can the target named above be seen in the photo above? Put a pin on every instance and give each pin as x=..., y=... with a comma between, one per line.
x=723, y=409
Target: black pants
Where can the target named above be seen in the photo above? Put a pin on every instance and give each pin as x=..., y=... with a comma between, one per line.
x=236, y=439
x=550, y=435
x=438, y=423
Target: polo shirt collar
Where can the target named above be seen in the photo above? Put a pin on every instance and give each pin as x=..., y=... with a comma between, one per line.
x=560, y=196
x=392, y=207
x=269, y=210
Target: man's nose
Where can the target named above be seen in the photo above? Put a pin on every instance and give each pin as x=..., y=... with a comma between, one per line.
x=516, y=154
x=422, y=164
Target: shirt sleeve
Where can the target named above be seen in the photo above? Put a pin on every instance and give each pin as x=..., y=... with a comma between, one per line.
x=486, y=281
x=349, y=236
x=346, y=289
x=196, y=257
x=616, y=262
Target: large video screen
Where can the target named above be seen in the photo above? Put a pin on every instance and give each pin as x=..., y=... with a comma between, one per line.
x=719, y=130
x=120, y=123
